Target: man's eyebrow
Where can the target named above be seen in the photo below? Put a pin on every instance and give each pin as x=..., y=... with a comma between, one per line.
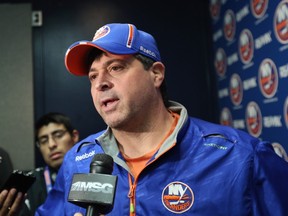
x=58, y=130
x=53, y=132
x=43, y=136
x=109, y=62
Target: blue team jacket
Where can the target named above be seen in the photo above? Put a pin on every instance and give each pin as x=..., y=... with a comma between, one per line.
x=201, y=169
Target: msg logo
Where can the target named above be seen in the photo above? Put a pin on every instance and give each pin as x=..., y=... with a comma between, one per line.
x=92, y=187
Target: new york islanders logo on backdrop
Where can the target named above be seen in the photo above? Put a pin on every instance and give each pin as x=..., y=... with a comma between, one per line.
x=268, y=78
x=253, y=119
x=280, y=22
x=246, y=46
x=226, y=117
x=236, y=89
x=220, y=62
x=215, y=8
x=229, y=25
x=258, y=7
x=177, y=197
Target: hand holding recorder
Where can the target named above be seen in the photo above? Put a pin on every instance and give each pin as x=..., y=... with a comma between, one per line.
x=13, y=191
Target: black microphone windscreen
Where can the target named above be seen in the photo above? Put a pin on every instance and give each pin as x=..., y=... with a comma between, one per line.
x=101, y=163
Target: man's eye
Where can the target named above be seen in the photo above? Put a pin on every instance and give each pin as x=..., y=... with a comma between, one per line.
x=43, y=140
x=116, y=68
x=58, y=135
x=92, y=77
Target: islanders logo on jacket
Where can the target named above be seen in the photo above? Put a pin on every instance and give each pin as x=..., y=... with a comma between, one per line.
x=177, y=197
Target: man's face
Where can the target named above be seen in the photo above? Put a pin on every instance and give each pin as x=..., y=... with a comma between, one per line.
x=54, y=141
x=122, y=90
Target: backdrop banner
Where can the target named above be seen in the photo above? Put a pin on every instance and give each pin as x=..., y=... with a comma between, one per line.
x=250, y=45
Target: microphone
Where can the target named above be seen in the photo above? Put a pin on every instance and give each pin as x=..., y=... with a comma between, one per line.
x=101, y=163
x=95, y=191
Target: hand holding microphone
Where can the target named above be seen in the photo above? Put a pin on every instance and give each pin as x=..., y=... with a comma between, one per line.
x=95, y=191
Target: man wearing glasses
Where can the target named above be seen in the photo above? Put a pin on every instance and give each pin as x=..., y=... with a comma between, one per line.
x=54, y=135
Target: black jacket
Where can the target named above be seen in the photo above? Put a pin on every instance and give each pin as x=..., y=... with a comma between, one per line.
x=37, y=193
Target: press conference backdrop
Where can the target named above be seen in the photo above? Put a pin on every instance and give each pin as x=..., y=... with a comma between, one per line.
x=251, y=62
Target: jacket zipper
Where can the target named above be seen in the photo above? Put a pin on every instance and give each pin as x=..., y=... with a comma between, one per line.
x=131, y=195
x=132, y=188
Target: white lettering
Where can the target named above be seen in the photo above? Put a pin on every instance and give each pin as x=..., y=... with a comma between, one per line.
x=84, y=156
x=272, y=121
x=223, y=93
x=283, y=71
x=249, y=83
x=263, y=40
x=92, y=187
x=240, y=124
x=232, y=59
x=218, y=34
x=149, y=52
x=242, y=13
x=176, y=189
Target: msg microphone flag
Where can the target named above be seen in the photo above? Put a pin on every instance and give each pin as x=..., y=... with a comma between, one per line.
x=96, y=188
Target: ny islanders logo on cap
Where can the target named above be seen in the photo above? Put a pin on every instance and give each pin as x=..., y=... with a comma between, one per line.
x=177, y=197
x=103, y=31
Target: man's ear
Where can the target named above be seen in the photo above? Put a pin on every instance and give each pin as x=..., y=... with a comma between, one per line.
x=158, y=70
x=75, y=135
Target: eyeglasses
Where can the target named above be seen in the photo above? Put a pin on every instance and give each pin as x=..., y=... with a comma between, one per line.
x=55, y=135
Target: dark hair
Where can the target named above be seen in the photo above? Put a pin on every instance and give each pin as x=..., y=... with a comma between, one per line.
x=53, y=117
x=146, y=62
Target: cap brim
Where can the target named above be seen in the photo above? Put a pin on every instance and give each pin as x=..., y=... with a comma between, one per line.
x=76, y=58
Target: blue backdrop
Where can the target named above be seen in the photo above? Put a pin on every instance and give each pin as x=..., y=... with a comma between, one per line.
x=250, y=45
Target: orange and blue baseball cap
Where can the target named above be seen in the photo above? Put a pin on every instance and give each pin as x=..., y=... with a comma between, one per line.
x=115, y=38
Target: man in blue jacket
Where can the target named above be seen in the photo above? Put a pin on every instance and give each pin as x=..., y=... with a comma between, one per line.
x=166, y=162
